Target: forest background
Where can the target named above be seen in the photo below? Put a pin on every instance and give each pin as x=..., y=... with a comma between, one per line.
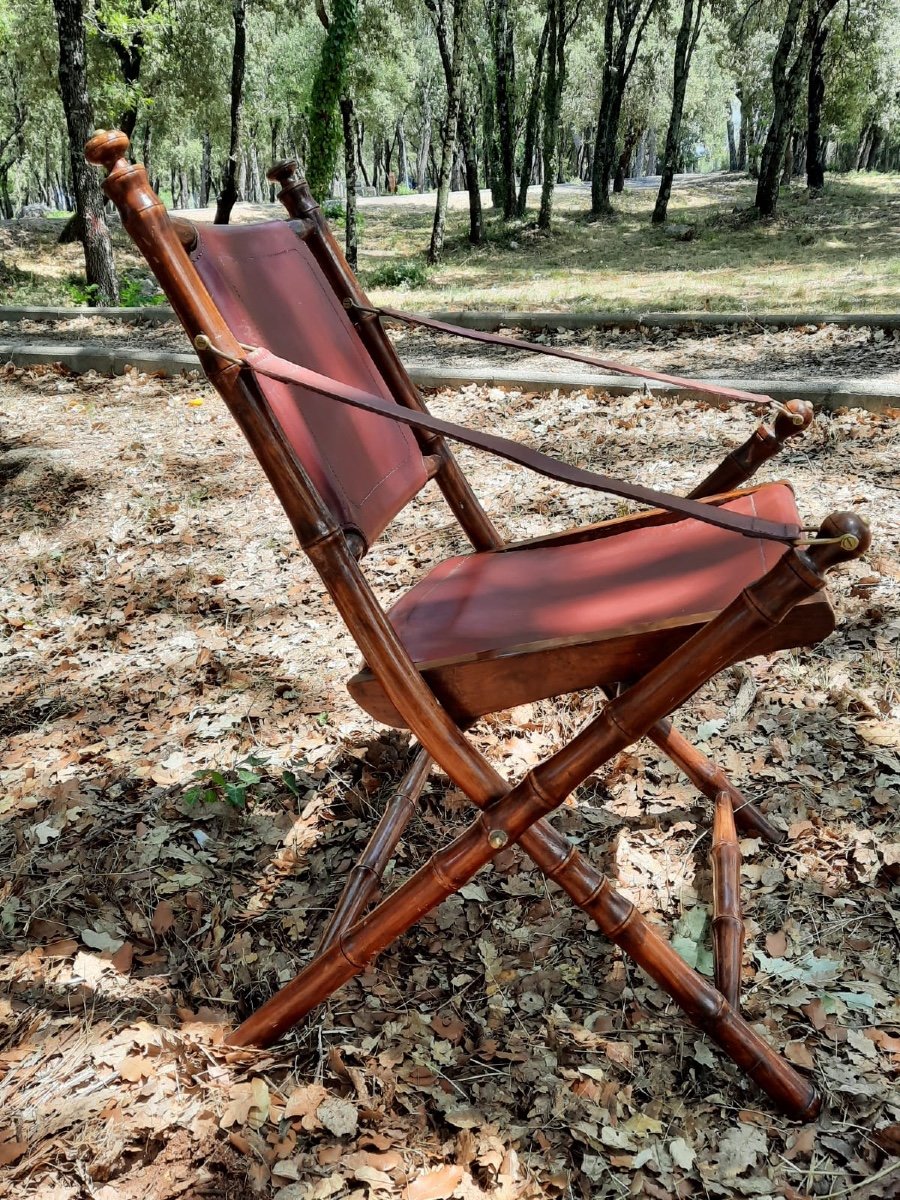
x=439, y=95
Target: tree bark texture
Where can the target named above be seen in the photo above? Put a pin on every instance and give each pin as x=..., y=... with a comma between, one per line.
x=815, y=94
x=531, y=121
x=732, y=145
x=504, y=92
x=99, y=267
x=625, y=22
x=688, y=32
x=328, y=87
x=452, y=59
x=470, y=159
x=787, y=81
x=229, y=194
x=351, y=241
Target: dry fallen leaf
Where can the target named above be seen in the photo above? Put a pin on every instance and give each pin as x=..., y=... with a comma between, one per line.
x=163, y=918
x=439, y=1184
x=338, y=1116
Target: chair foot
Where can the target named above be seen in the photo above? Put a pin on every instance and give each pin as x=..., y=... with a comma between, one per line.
x=365, y=877
x=728, y=927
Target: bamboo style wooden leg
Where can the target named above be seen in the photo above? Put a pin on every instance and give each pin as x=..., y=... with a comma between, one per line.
x=728, y=927
x=510, y=819
x=365, y=877
x=764, y=443
x=711, y=780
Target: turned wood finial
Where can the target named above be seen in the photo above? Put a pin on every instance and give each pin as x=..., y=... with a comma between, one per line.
x=795, y=421
x=286, y=172
x=295, y=194
x=853, y=540
x=108, y=148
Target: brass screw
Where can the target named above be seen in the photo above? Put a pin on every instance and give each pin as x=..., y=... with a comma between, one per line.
x=849, y=542
x=498, y=838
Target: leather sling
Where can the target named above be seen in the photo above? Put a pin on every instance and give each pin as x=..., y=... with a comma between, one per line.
x=496, y=339
x=264, y=362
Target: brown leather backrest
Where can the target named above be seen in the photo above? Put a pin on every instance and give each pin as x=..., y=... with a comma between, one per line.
x=271, y=292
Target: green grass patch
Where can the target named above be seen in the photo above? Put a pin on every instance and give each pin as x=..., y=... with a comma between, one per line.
x=834, y=253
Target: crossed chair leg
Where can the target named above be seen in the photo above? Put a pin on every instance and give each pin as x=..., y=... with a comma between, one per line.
x=518, y=816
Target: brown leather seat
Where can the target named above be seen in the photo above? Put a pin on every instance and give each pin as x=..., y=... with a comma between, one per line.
x=497, y=629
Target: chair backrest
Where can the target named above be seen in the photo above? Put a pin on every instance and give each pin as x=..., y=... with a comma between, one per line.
x=272, y=292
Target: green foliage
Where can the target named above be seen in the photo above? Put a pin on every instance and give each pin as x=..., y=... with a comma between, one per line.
x=406, y=275
x=328, y=86
x=136, y=291
x=234, y=788
x=80, y=291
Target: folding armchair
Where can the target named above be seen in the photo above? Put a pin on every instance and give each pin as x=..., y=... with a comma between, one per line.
x=645, y=607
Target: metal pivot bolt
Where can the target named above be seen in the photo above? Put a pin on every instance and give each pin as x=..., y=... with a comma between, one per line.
x=498, y=838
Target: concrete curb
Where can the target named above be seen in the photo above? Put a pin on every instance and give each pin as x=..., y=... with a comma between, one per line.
x=153, y=313
x=489, y=322
x=824, y=393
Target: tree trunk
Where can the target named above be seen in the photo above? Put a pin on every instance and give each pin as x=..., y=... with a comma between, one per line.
x=862, y=150
x=688, y=32
x=620, y=51
x=504, y=90
x=402, y=157
x=229, y=193
x=351, y=242
x=274, y=131
x=452, y=61
x=360, y=151
x=874, y=147
x=553, y=90
x=799, y=164
x=787, y=80
x=732, y=147
x=467, y=141
x=73, y=86
x=531, y=122
x=206, y=180
x=788, y=168
x=328, y=87
x=815, y=94
x=742, y=135
x=147, y=146
x=424, y=148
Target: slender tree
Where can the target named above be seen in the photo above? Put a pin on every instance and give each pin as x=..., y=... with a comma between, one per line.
x=531, y=120
x=503, y=46
x=470, y=161
x=329, y=86
x=561, y=18
x=351, y=241
x=815, y=94
x=91, y=224
x=451, y=45
x=788, y=77
x=688, y=32
x=229, y=194
x=625, y=22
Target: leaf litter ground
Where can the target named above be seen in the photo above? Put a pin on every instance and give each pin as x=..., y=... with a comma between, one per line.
x=163, y=636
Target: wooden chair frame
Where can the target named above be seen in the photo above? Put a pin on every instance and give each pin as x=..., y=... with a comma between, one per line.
x=509, y=812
